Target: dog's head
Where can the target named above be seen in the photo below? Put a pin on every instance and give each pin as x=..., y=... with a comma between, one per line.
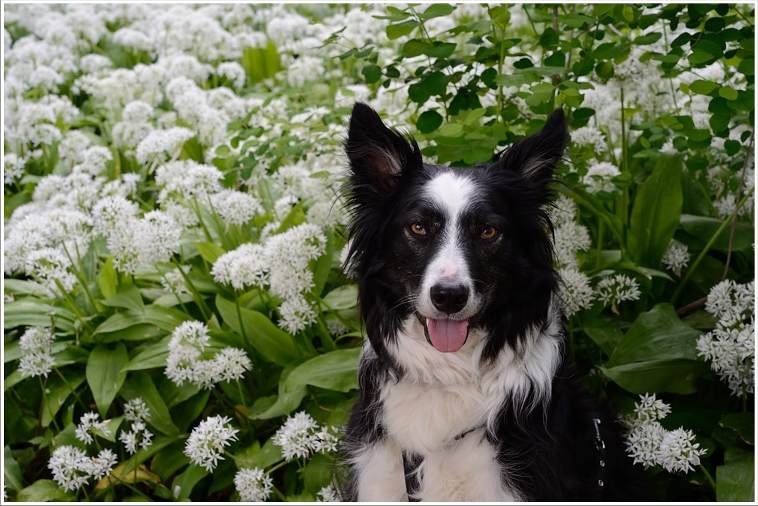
x=457, y=248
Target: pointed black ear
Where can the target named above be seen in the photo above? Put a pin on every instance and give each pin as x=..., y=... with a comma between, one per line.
x=535, y=157
x=378, y=154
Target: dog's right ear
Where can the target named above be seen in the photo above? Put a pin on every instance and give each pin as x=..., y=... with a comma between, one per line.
x=378, y=155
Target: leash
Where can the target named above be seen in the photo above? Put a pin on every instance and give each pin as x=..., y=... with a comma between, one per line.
x=412, y=461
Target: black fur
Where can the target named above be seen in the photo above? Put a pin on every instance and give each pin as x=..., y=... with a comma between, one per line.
x=549, y=451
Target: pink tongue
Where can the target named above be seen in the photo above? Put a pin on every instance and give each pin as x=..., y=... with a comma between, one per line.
x=447, y=335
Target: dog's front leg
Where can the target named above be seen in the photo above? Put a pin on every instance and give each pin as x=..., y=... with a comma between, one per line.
x=379, y=472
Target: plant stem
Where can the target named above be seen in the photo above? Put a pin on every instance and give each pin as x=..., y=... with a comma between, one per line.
x=198, y=298
x=242, y=395
x=733, y=227
x=708, y=476
x=72, y=390
x=239, y=317
x=44, y=403
x=705, y=250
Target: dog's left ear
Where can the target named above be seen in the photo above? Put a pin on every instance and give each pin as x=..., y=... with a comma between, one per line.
x=536, y=156
x=378, y=154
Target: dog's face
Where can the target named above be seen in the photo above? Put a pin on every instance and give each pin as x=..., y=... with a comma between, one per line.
x=457, y=248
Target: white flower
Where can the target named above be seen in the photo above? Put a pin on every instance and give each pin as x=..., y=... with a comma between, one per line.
x=234, y=207
x=576, y=292
x=643, y=443
x=173, y=281
x=88, y=424
x=618, y=288
x=328, y=494
x=599, y=177
x=288, y=255
x=51, y=267
x=243, y=267
x=562, y=211
x=102, y=464
x=138, y=436
x=162, y=145
x=589, y=136
x=678, y=451
x=187, y=179
x=568, y=239
x=233, y=71
x=253, y=485
x=731, y=303
x=296, y=314
x=136, y=410
x=296, y=436
x=37, y=347
x=185, y=362
x=676, y=257
x=231, y=364
x=650, y=444
x=205, y=445
x=70, y=467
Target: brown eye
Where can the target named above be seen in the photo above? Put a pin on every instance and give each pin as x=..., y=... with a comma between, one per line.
x=417, y=229
x=488, y=232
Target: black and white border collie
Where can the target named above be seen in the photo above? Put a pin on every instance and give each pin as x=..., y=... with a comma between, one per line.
x=465, y=390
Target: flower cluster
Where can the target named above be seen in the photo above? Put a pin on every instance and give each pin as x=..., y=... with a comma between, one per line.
x=301, y=435
x=650, y=444
x=253, y=485
x=190, y=343
x=615, y=289
x=37, y=347
x=72, y=468
x=205, y=445
x=89, y=426
x=281, y=264
x=730, y=347
x=138, y=435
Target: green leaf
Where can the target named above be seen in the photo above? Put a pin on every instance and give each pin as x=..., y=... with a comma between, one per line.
x=104, y=374
x=127, y=296
x=335, y=370
x=43, y=491
x=428, y=121
x=184, y=483
x=256, y=455
x=323, y=265
x=209, y=251
x=12, y=471
x=437, y=10
x=656, y=212
x=728, y=93
x=140, y=384
x=108, y=278
x=735, y=480
x=273, y=343
x=605, y=336
x=657, y=354
x=703, y=87
x=153, y=356
x=648, y=38
x=742, y=423
x=702, y=228
x=397, y=30
x=371, y=73
x=342, y=297
x=165, y=318
x=30, y=313
x=439, y=49
x=414, y=47
x=57, y=393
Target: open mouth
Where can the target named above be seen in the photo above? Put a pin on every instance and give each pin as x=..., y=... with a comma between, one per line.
x=444, y=334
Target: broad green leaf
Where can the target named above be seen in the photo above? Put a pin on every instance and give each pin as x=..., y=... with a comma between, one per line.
x=43, y=491
x=372, y=73
x=735, y=480
x=150, y=357
x=57, y=393
x=24, y=287
x=108, y=279
x=606, y=336
x=209, y=251
x=104, y=374
x=342, y=297
x=702, y=228
x=120, y=475
x=169, y=460
x=256, y=455
x=127, y=296
x=703, y=86
x=742, y=423
x=269, y=340
x=335, y=370
x=397, y=30
x=165, y=318
x=27, y=312
x=657, y=354
x=184, y=483
x=12, y=471
x=437, y=10
x=323, y=265
x=139, y=384
x=428, y=121
x=655, y=214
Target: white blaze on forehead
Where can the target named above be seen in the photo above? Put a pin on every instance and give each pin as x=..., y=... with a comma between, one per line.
x=451, y=193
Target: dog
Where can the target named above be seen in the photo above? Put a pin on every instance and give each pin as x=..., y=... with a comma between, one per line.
x=466, y=392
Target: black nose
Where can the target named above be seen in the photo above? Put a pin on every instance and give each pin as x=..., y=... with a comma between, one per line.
x=449, y=298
